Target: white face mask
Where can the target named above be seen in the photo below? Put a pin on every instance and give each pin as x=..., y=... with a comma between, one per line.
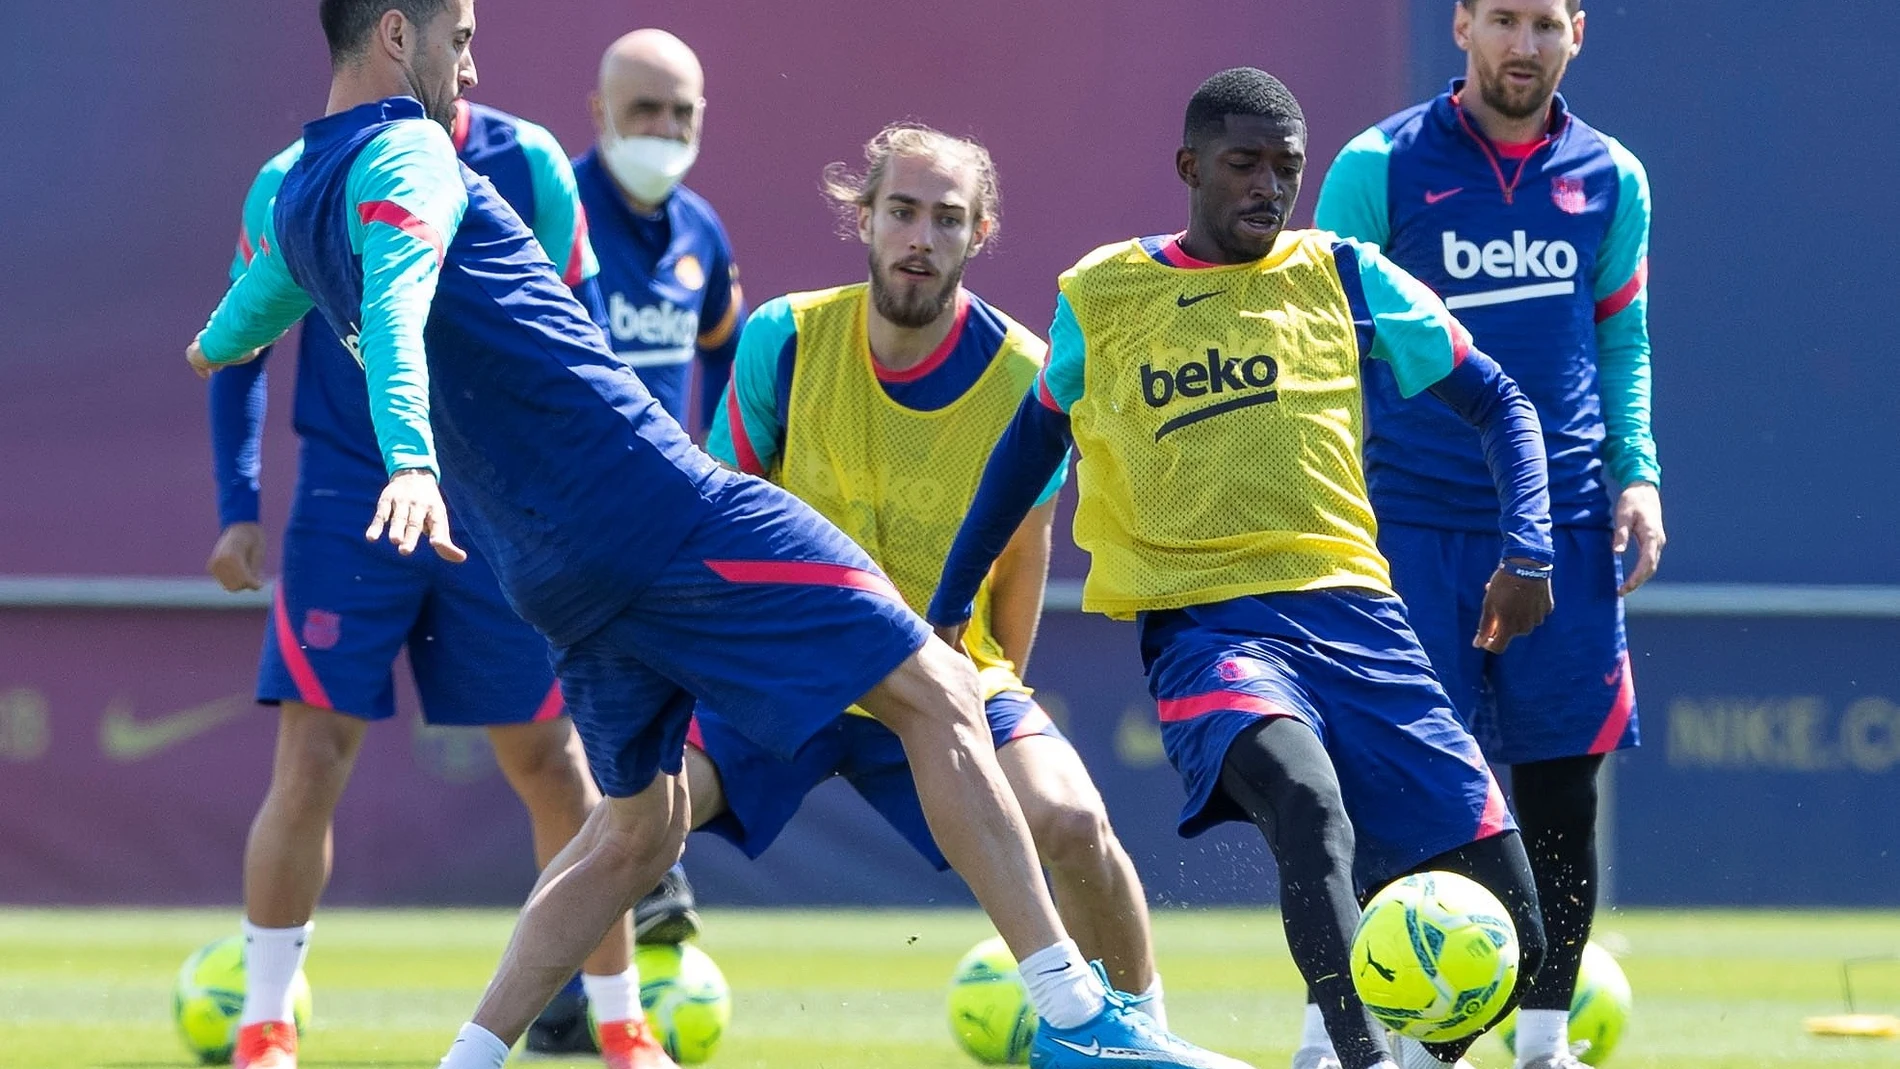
x=647, y=167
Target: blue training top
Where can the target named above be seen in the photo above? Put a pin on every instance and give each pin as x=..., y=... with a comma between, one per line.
x=562, y=468
x=340, y=470
x=1542, y=251
x=670, y=287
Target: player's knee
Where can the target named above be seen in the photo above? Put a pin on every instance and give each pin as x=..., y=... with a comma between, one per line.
x=1072, y=834
x=545, y=769
x=315, y=750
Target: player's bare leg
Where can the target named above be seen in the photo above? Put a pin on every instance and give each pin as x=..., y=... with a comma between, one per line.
x=1097, y=890
x=620, y=853
x=933, y=704
x=286, y=865
x=547, y=768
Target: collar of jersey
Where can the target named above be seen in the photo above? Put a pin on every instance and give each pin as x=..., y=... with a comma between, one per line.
x=1156, y=247
x=340, y=126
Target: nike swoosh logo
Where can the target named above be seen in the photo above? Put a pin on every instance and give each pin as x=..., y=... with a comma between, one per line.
x=1183, y=300
x=124, y=739
x=1094, y=1048
x=1434, y=198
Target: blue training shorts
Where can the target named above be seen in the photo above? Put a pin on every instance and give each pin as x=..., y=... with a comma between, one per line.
x=344, y=607
x=763, y=791
x=767, y=612
x=1564, y=690
x=1344, y=663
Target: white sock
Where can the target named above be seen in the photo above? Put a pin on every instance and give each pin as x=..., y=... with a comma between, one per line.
x=1313, y=1034
x=1542, y=1033
x=1062, y=987
x=272, y=957
x=475, y=1048
x=1151, y=1004
x=614, y=998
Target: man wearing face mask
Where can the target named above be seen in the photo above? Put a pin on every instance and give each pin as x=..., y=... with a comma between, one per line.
x=666, y=270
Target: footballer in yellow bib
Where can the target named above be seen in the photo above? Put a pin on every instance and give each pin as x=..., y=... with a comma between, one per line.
x=1210, y=384
x=878, y=404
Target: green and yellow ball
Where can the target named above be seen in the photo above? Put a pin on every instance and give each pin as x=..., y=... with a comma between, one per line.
x=209, y=998
x=687, y=1002
x=989, y=1007
x=1599, y=1010
x=1434, y=956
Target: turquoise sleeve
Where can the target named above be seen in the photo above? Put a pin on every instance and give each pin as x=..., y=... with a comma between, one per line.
x=258, y=203
x=1054, y=486
x=407, y=199
x=559, y=223
x=748, y=430
x=263, y=303
x=1412, y=331
x=1352, y=199
x=1622, y=312
x=1060, y=384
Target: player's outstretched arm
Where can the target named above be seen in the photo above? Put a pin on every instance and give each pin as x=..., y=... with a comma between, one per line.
x=1032, y=449
x=1623, y=372
x=255, y=312
x=408, y=198
x=1410, y=329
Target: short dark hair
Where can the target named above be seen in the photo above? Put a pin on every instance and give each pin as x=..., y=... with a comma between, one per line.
x=347, y=23
x=1573, y=6
x=1237, y=91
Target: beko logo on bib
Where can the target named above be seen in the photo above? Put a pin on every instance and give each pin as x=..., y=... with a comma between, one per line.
x=664, y=324
x=1519, y=257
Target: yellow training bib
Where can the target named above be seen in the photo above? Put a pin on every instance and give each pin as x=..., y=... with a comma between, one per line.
x=897, y=480
x=1219, y=429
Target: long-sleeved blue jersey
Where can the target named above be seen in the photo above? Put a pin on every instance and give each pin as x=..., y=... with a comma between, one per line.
x=1542, y=251
x=559, y=465
x=670, y=287
x=339, y=463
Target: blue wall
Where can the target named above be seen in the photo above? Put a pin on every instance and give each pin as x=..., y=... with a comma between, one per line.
x=1769, y=136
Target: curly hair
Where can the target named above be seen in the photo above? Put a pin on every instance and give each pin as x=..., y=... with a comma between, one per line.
x=851, y=191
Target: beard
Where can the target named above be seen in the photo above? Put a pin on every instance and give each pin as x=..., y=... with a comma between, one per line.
x=441, y=110
x=1513, y=103
x=912, y=308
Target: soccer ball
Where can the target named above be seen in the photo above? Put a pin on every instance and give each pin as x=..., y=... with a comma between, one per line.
x=209, y=999
x=1434, y=957
x=1599, y=1010
x=687, y=1002
x=989, y=1006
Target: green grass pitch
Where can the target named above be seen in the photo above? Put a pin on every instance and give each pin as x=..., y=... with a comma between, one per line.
x=857, y=990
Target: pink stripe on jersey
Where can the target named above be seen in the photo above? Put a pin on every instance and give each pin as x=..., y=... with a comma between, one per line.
x=393, y=214
x=1618, y=721
x=1491, y=821
x=695, y=737
x=804, y=573
x=459, y=134
x=1178, y=257
x=1626, y=294
x=309, y=687
x=1174, y=710
x=1460, y=343
x=747, y=456
x=552, y=705
x=937, y=357
x=1042, y=391
x=244, y=247
x=577, y=255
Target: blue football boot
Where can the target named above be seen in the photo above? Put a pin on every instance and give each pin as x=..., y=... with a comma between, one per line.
x=1119, y=1037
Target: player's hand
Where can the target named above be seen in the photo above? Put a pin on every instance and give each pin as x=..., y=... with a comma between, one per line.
x=237, y=561
x=1513, y=605
x=195, y=356
x=410, y=508
x=1639, y=518
x=952, y=635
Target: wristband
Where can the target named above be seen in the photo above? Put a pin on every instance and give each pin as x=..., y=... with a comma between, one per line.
x=1528, y=571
